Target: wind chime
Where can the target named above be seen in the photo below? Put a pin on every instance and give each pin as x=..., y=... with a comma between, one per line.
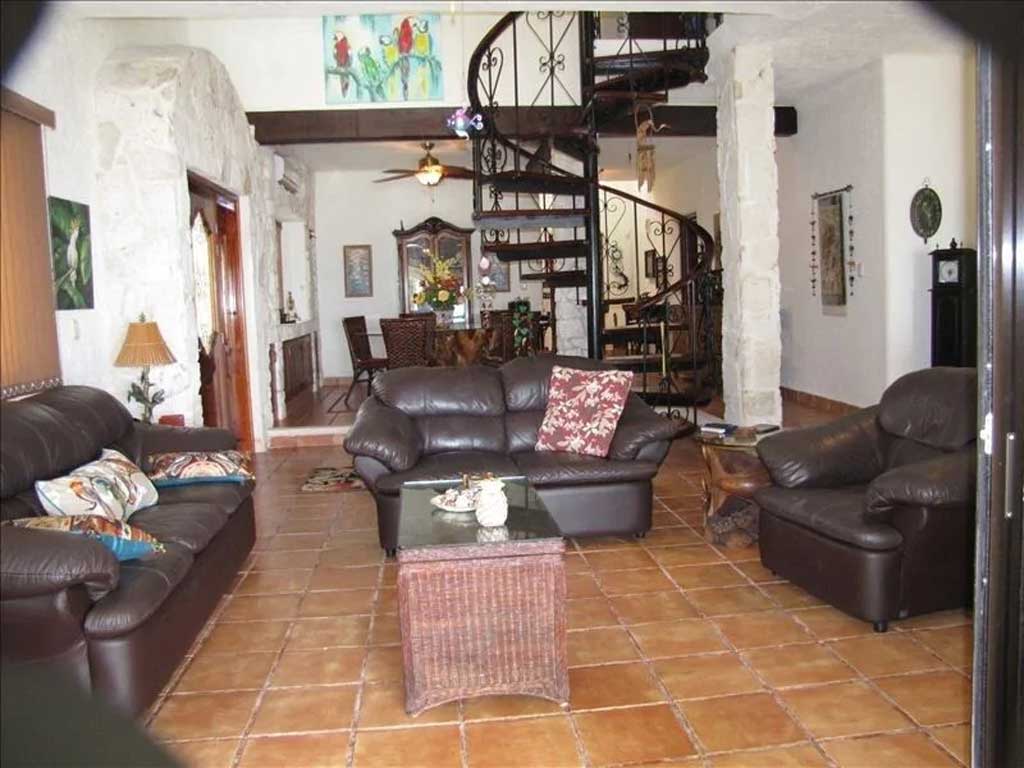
x=645, y=129
x=814, y=246
x=851, y=263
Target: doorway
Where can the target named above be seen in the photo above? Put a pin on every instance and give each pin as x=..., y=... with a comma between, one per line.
x=220, y=309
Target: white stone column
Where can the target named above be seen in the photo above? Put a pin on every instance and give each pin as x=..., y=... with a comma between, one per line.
x=570, y=323
x=748, y=184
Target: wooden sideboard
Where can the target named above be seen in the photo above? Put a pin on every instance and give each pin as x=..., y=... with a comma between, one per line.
x=298, y=365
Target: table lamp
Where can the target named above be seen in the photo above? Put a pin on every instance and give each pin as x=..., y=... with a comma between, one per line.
x=144, y=346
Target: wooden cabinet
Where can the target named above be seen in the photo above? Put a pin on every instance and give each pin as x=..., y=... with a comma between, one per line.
x=298, y=365
x=417, y=245
x=954, y=306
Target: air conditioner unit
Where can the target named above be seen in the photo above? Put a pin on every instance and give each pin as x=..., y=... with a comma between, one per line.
x=285, y=175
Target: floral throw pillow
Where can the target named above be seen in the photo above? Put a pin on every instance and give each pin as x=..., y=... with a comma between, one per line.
x=110, y=486
x=188, y=467
x=583, y=410
x=125, y=542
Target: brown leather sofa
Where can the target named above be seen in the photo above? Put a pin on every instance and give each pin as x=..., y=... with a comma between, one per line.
x=119, y=629
x=438, y=423
x=874, y=512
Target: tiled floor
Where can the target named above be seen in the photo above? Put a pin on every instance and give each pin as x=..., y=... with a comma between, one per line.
x=681, y=654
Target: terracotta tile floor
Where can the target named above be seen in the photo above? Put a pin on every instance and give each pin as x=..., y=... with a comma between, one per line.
x=680, y=654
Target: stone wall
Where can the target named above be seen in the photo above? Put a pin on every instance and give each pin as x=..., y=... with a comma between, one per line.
x=570, y=322
x=166, y=111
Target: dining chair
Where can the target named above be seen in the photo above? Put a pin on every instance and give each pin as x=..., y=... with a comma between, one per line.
x=429, y=320
x=363, y=361
x=405, y=342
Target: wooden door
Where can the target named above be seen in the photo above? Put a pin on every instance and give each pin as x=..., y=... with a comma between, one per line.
x=225, y=369
x=231, y=321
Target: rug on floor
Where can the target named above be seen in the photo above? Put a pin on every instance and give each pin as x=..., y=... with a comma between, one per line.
x=332, y=480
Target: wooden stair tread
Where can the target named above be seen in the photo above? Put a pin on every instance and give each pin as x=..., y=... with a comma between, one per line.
x=566, y=278
x=650, y=80
x=623, y=63
x=539, y=218
x=533, y=182
x=553, y=249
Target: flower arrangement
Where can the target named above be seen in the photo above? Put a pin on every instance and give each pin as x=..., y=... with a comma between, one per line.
x=440, y=286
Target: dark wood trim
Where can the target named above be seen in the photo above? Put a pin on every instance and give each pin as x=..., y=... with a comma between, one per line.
x=314, y=126
x=23, y=107
x=817, y=402
x=432, y=226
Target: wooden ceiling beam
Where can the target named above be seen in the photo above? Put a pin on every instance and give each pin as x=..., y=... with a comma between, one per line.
x=317, y=126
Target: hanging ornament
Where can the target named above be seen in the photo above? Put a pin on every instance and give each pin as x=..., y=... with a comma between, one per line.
x=814, y=250
x=464, y=124
x=645, y=148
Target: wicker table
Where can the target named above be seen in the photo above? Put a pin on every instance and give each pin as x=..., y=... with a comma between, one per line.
x=481, y=610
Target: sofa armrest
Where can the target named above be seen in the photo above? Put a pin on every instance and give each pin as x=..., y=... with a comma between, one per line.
x=34, y=562
x=847, y=451
x=385, y=434
x=940, y=482
x=640, y=425
x=162, y=438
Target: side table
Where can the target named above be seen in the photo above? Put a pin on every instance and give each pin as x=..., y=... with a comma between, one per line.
x=731, y=468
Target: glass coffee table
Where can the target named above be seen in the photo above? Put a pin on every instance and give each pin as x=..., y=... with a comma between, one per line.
x=481, y=610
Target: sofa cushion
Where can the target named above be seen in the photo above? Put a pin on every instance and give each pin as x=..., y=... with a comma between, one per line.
x=934, y=406
x=526, y=379
x=443, y=434
x=126, y=542
x=837, y=513
x=192, y=467
x=470, y=391
x=227, y=497
x=188, y=524
x=583, y=410
x=549, y=469
x=144, y=585
x=111, y=486
x=448, y=466
x=521, y=429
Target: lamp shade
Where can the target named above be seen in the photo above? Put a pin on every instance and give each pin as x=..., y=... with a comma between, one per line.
x=143, y=346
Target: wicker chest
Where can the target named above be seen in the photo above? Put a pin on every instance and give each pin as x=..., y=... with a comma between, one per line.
x=482, y=617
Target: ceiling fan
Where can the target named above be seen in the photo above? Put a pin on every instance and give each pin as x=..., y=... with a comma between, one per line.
x=430, y=172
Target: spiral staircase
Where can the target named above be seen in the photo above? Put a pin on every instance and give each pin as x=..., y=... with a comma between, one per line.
x=567, y=230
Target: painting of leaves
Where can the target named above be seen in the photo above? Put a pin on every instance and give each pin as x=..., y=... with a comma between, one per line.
x=382, y=58
x=71, y=244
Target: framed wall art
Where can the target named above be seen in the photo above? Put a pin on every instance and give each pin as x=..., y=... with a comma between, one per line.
x=71, y=251
x=831, y=247
x=382, y=57
x=358, y=261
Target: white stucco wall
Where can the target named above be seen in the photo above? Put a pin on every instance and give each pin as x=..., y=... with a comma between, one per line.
x=352, y=210
x=883, y=129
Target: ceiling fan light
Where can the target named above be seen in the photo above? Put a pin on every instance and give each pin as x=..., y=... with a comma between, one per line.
x=430, y=175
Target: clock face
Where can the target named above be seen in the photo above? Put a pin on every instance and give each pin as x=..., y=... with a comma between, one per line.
x=949, y=271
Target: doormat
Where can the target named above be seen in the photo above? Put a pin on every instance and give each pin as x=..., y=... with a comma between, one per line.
x=332, y=480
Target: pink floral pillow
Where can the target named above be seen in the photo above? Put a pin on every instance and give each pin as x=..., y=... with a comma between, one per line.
x=583, y=410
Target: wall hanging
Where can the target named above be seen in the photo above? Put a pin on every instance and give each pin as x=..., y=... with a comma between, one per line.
x=832, y=266
x=925, y=212
x=71, y=249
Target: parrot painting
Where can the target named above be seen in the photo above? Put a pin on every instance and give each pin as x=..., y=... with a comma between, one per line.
x=390, y=45
x=404, y=49
x=342, y=57
x=421, y=41
x=371, y=73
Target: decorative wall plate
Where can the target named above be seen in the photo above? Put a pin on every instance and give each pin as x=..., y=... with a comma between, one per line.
x=925, y=212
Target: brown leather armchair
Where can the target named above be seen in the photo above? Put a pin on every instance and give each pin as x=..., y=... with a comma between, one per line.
x=874, y=512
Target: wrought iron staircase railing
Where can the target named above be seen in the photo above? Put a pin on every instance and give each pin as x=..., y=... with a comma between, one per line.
x=562, y=226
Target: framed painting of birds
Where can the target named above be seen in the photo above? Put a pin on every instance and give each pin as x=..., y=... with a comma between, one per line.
x=382, y=57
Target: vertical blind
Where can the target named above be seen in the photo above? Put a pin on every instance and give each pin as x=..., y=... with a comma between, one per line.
x=29, y=357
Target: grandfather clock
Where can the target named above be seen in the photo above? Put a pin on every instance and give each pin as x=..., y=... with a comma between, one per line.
x=954, y=306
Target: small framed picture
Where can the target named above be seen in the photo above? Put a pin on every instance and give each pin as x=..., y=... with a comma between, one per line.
x=500, y=277
x=358, y=271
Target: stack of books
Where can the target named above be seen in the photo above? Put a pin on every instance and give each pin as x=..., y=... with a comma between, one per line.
x=717, y=429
